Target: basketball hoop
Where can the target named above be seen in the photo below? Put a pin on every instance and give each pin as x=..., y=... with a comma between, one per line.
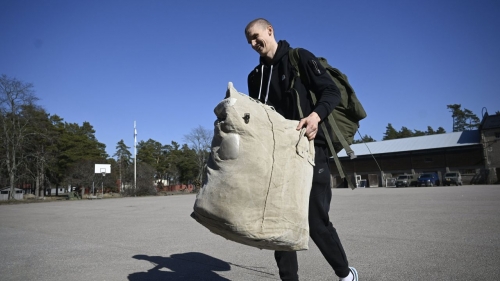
x=101, y=169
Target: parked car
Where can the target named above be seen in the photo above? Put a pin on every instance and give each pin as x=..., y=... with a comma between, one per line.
x=406, y=180
x=428, y=179
x=452, y=178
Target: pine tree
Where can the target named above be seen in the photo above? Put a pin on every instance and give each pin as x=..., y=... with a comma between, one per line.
x=390, y=133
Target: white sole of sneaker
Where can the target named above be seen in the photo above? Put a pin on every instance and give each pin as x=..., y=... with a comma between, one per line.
x=355, y=273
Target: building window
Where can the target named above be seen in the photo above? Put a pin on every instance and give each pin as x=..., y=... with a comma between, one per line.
x=428, y=159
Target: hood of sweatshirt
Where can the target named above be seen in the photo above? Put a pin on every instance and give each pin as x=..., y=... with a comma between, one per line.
x=282, y=49
x=269, y=78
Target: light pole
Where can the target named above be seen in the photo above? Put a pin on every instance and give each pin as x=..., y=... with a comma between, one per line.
x=135, y=160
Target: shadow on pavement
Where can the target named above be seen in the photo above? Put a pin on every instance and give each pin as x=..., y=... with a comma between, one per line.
x=186, y=266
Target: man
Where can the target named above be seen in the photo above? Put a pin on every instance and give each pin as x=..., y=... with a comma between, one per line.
x=270, y=82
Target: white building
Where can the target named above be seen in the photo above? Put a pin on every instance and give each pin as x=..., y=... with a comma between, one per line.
x=4, y=193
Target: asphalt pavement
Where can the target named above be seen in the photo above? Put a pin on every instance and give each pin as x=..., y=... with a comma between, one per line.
x=426, y=233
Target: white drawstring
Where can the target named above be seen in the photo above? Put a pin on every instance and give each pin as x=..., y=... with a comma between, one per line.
x=268, y=83
x=261, y=77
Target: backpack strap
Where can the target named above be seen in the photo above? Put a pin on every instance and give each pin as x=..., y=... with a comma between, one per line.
x=294, y=59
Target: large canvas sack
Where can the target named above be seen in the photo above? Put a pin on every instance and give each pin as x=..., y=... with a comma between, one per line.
x=258, y=177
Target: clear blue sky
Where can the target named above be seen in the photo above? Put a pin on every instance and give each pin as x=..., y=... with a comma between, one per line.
x=166, y=64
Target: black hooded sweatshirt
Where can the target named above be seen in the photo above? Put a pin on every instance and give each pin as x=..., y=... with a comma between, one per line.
x=270, y=83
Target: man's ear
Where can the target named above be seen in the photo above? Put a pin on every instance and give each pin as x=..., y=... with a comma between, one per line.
x=270, y=30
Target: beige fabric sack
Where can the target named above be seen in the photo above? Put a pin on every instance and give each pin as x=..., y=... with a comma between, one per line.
x=258, y=177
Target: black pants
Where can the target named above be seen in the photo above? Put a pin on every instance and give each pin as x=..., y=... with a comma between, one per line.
x=321, y=229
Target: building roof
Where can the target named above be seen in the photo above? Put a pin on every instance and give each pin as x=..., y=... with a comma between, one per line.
x=457, y=139
x=8, y=188
x=490, y=122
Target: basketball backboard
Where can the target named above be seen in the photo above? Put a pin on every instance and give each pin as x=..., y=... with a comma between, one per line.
x=103, y=169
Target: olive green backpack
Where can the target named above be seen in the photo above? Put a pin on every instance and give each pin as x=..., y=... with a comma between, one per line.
x=344, y=119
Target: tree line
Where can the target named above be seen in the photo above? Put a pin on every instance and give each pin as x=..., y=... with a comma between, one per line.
x=463, y=119
x=39, y=151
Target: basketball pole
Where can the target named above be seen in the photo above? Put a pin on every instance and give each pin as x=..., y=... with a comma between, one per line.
x=102, y=183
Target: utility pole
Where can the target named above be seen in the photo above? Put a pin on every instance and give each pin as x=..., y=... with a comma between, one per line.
x=135, y=159
x=121, y=183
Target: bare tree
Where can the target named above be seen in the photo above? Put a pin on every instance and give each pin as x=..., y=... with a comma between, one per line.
x=14, y=95
x=200, y=139
x=34, y=167
x=39, y=146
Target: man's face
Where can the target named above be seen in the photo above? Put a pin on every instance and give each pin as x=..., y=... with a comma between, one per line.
x=259, y=37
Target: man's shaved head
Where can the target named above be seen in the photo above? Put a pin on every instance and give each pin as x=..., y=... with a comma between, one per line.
x=260, y=35
x=257, y=22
